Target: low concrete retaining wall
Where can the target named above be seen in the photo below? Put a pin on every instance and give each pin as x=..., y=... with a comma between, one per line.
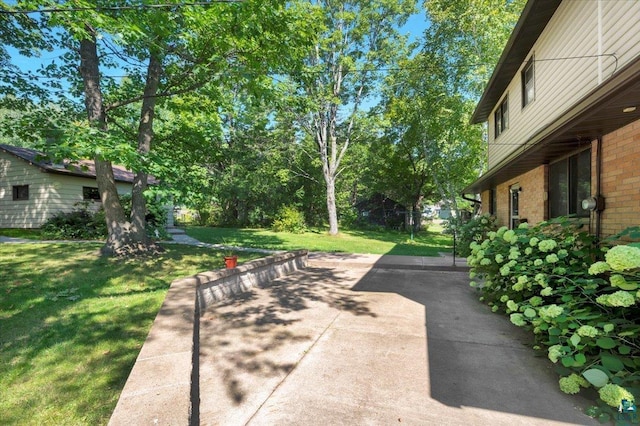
x=163, y=387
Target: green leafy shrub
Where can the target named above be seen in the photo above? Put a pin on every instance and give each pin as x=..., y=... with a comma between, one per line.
x=156, y=215
x=79, y=224
x=289, y=219
x=473, y=230
x=86, y=224
x=582, y=311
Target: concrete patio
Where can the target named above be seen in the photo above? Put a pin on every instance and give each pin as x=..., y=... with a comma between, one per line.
x=372, y=340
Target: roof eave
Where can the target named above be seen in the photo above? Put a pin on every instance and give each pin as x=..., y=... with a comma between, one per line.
x=598, y=113
x=534, y=18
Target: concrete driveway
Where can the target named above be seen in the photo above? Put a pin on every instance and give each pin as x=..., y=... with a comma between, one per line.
x=376, y=343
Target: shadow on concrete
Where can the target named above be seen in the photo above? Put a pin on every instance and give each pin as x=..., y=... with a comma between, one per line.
x=475, y=357
x=256, y=338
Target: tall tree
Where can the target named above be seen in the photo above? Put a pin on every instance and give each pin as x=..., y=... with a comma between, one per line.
x=168, y=50
x=400, y=170
x=358, y=40
x=432, y=96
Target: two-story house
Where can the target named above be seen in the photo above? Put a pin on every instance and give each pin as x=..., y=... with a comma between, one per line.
x=563, y=114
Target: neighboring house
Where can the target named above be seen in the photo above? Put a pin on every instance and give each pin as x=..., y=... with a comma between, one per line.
x=381, y=210
x=563, y=114
x=32, y=188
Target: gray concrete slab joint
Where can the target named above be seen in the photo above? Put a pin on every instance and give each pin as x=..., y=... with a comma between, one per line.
x=161, y=387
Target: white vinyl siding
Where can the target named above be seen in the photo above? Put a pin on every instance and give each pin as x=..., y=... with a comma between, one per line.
x=567, y=66
x=21, y=213
x=49, y=193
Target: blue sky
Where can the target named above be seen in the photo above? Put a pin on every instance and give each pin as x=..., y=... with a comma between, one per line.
x=414, y=27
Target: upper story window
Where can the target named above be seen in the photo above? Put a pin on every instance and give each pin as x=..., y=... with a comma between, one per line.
x=528, y=83
x=20, y=192
x=501, y=116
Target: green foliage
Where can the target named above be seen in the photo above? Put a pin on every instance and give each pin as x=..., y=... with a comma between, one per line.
x=84, y=223
x=582, y=311
x=79, y=224
x=289, y=219
x=473, y=230
x=214, y=60
x=430, y=98
x=355, y=39
x=207, y=215
x=156, y=215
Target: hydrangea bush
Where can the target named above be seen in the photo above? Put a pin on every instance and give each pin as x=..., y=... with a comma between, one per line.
x=473, y=230
x=581, y=301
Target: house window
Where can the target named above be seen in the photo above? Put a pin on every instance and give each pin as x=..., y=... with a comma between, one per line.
x=528, y=86
x=493, y=201
x=501, y=117
x=20, y=192
x=569, y=184
x=90, y=193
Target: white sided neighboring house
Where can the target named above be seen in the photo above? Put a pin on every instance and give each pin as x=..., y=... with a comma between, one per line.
x=32, y=188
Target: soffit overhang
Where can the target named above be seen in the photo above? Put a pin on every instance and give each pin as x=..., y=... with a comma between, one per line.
x=598, y=113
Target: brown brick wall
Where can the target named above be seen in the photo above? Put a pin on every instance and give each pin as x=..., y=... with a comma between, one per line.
x=620, y=179
x=533, y=204
x=620, y=185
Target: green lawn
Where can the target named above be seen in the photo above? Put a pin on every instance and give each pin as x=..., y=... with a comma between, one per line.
x=428, y=243
x=72, y=324
x=30, y=234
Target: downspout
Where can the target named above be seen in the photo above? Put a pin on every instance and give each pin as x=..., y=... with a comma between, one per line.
x=599, y=197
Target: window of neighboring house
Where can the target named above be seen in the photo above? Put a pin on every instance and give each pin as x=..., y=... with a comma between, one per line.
x=501, y=116
x=569, y=184
x=90, y=193
x=20, y=192
x=528, y=85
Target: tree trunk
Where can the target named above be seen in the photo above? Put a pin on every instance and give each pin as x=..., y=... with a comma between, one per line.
x=117, y=226
x=331, y=204
x=417, y=212
x=121, y=238
x=145, y=136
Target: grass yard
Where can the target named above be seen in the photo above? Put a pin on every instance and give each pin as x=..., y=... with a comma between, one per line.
x=425, y=243
x=29, y=234
x=72, y=324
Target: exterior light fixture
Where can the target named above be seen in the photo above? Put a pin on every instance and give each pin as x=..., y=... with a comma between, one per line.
x=629, y=109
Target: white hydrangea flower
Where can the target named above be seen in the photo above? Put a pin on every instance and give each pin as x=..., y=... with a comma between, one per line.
x=552, y=258
x=599, y=268
x=508, y=235
x=587, y=331
x=547, y=245
x=622, y=258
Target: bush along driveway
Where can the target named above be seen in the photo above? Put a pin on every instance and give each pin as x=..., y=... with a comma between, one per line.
x=580, y=300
